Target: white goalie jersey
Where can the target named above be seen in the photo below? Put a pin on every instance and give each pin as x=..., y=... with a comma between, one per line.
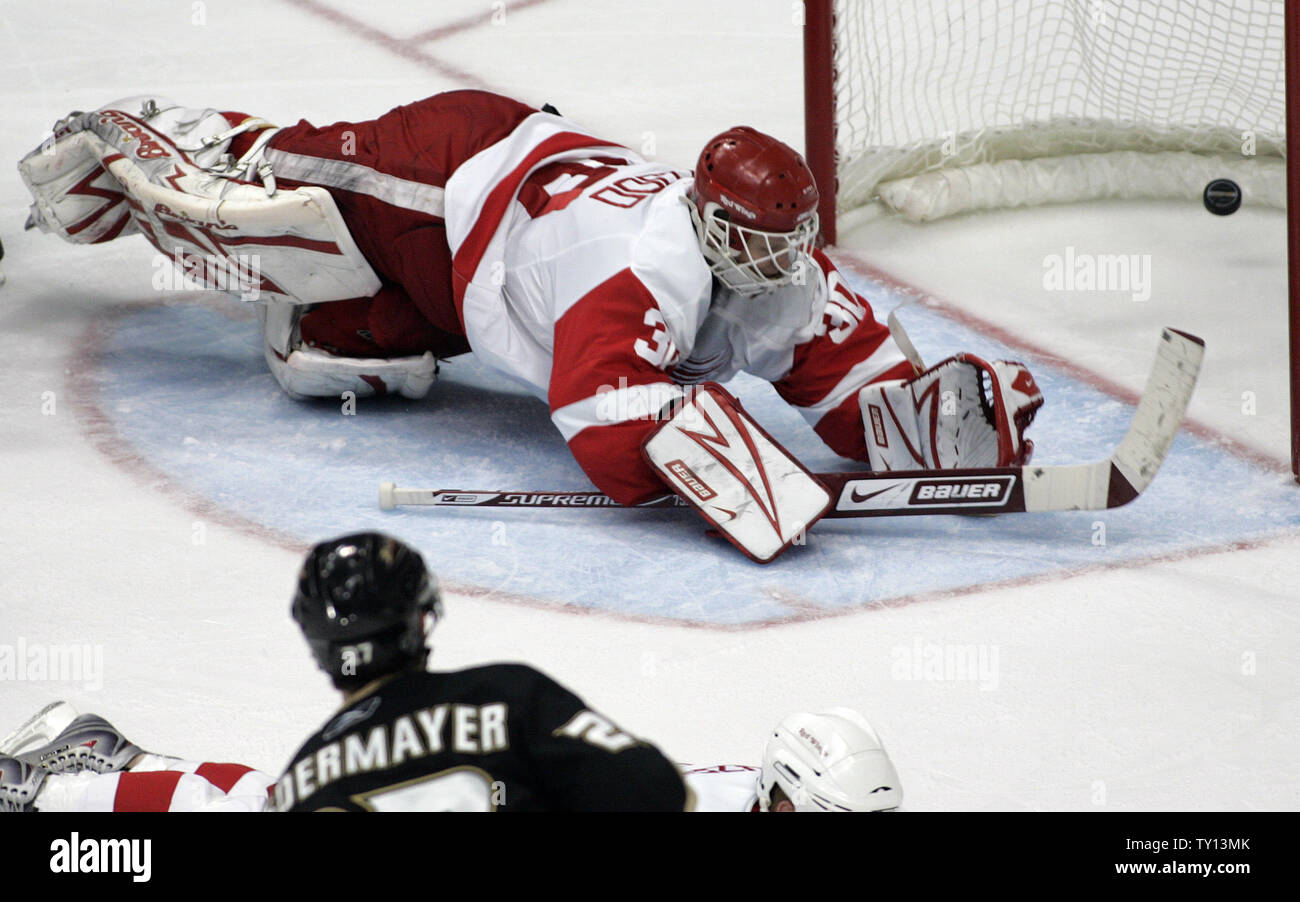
x=577, y=270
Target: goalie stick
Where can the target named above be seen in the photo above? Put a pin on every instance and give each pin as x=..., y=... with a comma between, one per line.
x=1107, y=483
x=390, y=496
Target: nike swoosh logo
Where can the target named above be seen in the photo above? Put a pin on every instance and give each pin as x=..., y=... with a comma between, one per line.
x=858, y=499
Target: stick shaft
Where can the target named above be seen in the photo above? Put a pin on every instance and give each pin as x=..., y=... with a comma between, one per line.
x=392, y=496
x=864, y=494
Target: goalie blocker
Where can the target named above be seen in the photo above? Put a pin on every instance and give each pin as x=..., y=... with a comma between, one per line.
x=710, y=453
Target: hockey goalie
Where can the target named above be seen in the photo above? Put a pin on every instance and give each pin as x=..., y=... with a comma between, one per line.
x=619, y=290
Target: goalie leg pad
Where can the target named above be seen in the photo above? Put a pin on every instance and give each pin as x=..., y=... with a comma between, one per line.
x=312, y=373
x=306, y=372
x=72, y=195
x=75, y=197
x=111, y=172
x=736, y=476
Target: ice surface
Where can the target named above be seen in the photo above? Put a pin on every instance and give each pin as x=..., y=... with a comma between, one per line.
x=158, y=489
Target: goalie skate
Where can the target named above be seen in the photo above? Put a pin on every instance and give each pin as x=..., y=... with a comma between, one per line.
x=88, y=743
x=20, y=783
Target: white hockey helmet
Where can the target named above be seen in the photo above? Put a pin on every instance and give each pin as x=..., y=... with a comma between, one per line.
x=830, y=761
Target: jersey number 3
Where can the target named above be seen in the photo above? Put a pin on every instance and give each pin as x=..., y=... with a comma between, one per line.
x=659, y=350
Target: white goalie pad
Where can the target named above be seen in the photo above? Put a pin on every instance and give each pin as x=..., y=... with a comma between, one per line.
x=307, y=372
x=739, y=479
x=312, y=373
x=109, y=173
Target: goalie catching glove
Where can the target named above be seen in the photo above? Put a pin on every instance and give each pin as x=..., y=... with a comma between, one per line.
x=960, y=414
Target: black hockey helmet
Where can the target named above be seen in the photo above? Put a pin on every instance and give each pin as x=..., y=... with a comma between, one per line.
x=361, y=603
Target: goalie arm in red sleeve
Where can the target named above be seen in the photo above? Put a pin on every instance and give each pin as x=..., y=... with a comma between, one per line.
x=849, y=351
x=608, y=384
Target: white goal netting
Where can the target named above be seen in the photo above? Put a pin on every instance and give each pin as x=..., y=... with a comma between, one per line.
x=949, y=105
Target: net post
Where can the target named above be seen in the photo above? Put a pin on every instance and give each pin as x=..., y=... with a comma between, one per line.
x=1293, y=226
x=819, y=107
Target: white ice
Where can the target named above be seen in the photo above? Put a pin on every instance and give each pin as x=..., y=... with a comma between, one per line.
x=158, y=492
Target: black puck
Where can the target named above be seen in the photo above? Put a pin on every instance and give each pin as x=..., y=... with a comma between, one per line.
x=1222, y=196
x=2, y=250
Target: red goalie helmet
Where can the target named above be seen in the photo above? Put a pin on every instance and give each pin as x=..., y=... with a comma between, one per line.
x=755, y=209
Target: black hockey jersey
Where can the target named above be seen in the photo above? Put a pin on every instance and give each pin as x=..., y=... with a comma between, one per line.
x=502, y=737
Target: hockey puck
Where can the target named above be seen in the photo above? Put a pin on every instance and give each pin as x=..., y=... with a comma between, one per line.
x=1222, y=197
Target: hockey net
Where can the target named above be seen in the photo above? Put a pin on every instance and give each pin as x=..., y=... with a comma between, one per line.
x=930, y=108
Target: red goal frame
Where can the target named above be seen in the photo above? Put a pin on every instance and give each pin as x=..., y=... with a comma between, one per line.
x=1293, y=228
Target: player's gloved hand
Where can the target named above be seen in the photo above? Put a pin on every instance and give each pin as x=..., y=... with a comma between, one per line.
x=961, y=413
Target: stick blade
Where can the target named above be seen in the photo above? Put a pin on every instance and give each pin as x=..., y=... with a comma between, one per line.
x=1162, y=408
x=1127, y=473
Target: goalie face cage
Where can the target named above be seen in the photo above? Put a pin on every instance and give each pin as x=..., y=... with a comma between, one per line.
x=937, y=107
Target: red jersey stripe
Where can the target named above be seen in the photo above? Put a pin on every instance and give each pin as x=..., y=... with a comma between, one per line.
x=595, y=351
x=469, y=255
x=610, y=455
x=596, y=341
x=222, y=776
x=147, y=791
